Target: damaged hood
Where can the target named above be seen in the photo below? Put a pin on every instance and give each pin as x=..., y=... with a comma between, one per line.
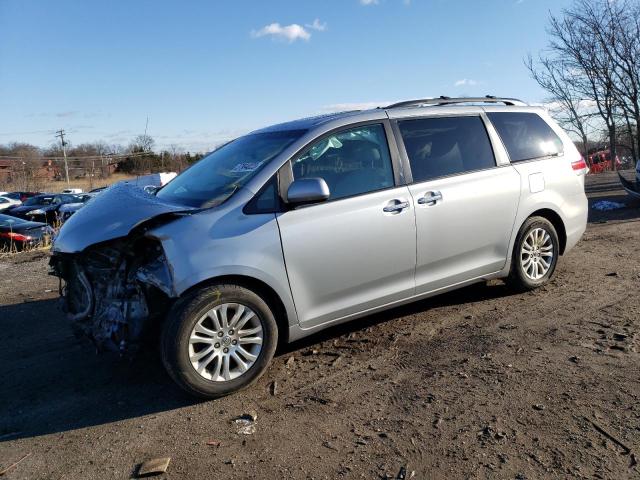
x=112, y=214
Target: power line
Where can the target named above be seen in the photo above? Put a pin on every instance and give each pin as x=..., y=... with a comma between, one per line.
x=111, y=156
x=60, y=133
x=32, y=132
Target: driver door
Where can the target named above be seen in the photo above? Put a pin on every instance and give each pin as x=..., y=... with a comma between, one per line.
x=356, y=251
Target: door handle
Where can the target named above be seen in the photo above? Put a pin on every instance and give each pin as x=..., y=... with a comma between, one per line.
x=395, y=206
x=430, y=198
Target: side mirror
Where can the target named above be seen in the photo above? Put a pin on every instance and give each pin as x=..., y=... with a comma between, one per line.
x=307, y=190
x=151, y=189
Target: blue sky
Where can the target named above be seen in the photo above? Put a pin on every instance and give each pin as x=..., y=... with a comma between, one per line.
x=204, y=71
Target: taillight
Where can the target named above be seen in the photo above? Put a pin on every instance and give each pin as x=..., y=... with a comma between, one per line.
x=580, y=167
x=16, y=237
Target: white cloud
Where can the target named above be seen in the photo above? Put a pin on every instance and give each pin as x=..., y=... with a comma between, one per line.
x=465, y=82
x=317, y=25
x=70, y=113
x=198, y=140
x=585, y=105
x=377, y=2
x=343, y=107
x=290, y=33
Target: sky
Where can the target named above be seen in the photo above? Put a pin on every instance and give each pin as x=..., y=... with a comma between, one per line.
x=201, y=72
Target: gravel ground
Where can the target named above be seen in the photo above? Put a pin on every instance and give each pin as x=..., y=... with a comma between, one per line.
x=477, y=383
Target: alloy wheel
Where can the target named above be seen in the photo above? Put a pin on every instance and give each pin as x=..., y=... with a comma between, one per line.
x=225, y=342
x=536, y=254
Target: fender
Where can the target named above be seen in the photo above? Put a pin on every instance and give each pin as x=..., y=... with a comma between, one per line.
x=222, y=242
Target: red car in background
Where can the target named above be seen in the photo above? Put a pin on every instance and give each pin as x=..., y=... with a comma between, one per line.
x=22, y=196
x=601, y=161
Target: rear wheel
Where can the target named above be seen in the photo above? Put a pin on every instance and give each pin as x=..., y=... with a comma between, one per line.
x=218, y=340
x=535, y=254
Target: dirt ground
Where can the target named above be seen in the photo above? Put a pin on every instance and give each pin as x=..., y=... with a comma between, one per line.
x=478, y=383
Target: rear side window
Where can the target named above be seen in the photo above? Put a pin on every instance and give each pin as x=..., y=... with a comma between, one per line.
x=526, y=135
x=438, y=147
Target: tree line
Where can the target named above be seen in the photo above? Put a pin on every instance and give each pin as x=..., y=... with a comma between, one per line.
x=26, y=166
x=591, y=72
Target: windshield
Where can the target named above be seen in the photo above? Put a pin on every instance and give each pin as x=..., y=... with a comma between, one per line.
x=214, y=178
x=67, y=198
x=38, y=200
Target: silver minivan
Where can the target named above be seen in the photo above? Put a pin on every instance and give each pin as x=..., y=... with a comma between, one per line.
x=299, y=226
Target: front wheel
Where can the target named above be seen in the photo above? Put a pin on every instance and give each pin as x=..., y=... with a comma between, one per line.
x=535, y=254
x=218, y=340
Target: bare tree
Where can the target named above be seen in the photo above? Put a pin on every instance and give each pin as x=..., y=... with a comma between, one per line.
x=26, y=169
x=576, y=40
x=177, y=157
x=594, y=57
x=624, y=51
x=142, y=143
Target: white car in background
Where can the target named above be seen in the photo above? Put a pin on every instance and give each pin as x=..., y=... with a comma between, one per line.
x=6, y=202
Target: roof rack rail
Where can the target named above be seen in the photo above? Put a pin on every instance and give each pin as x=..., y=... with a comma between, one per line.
x=453, y=101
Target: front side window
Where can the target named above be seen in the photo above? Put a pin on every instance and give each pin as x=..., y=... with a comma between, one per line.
x=352, y=162
x=442, y=146
x=267, y=200
x=526, y=135
x=66, y=199
x=217, y=176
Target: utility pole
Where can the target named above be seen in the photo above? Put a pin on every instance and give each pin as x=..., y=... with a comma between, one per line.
x=60, y=133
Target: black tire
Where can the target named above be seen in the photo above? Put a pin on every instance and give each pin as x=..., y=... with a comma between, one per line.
x=180, y=322
x=518, y=278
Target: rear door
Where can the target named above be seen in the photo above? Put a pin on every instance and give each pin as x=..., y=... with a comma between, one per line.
x=356, y=251
x=465, y=203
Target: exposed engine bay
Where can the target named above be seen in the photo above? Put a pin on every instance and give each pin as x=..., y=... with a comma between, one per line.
x=115, y=278
x=112, y=290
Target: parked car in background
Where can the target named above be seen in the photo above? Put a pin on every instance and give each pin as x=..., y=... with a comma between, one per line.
x=22, y=196
x=299, y=226
x=18, y=234
x=69, y=209
x=6, y=202
x=72, y=190
x=43, y=207
x=601, y=161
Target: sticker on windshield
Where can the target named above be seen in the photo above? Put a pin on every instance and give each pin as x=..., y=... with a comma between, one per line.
x=245, y=167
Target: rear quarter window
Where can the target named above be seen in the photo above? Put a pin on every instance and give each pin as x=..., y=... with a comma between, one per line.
x=526, y=136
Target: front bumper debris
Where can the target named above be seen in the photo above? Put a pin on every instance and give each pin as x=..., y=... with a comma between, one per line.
x=111, y=291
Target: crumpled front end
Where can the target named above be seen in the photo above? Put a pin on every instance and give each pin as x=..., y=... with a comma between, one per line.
x=115, y=280
x=113, y=290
